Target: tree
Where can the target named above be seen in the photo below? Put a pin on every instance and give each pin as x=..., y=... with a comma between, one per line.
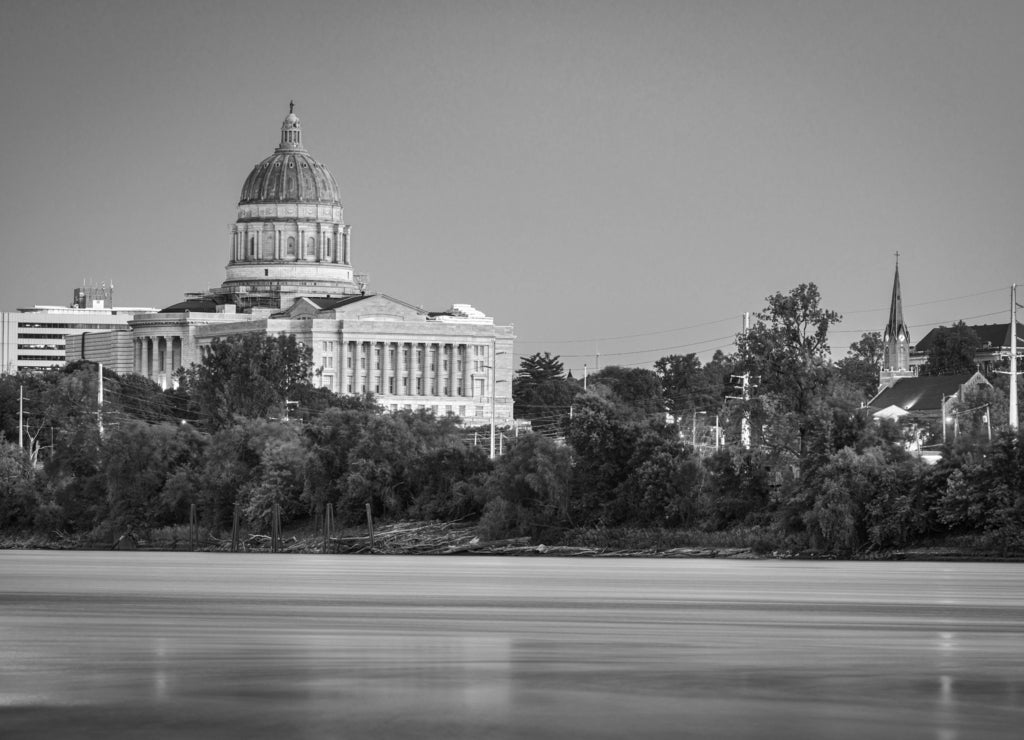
x=952, y=352
x=861, y=365
x=689, y=386
x=251, y=375
x=528, y=490
x=330, y=438
x=138, y=461
x=638, y=389
x=377, y=467
x=541, y=393
x=788, y=350
x=18, y=488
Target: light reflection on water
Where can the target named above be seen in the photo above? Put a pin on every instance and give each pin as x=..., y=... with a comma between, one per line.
x=214, y=645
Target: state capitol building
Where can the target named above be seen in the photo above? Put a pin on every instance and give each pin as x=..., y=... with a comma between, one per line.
x=290, y=271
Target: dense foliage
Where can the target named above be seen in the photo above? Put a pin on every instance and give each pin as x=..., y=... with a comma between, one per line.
x=638, y=449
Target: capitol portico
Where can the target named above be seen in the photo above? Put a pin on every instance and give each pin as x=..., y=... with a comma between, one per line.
x=290, y=271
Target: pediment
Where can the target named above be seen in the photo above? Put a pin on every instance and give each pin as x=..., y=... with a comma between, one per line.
x=381, y=308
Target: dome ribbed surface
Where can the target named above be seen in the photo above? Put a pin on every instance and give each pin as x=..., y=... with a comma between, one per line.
x=290, y=177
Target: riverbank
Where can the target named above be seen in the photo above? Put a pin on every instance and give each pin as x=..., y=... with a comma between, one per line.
x=455, y=538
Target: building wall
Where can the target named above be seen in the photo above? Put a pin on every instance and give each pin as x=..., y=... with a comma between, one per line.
x=113, y=349
x=35, y=339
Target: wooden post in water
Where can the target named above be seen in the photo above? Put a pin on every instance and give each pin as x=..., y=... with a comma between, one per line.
x=328, y=525
x=275, y=529
x=193, y=529
x=234, y=530
x=369, y=523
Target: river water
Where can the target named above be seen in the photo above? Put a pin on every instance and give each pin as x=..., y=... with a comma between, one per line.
x=200, y=645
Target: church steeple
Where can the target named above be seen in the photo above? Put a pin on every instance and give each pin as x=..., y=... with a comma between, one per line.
x=895, y=337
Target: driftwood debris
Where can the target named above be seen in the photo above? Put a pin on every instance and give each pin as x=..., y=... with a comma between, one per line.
x=457, y=538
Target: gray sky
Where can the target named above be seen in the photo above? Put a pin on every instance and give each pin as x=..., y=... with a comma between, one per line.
x=621, y=177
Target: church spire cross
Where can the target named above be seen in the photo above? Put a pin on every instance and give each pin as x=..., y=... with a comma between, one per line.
x=896, y=336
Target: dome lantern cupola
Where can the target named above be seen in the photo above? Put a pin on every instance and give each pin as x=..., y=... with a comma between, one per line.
x=291, y=132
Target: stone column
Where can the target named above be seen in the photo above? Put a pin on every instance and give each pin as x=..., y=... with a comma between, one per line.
x=385, y=366
x=342, y=368
x=357, y=358
x=453, y=386
x=418, y=347
x=406, y=369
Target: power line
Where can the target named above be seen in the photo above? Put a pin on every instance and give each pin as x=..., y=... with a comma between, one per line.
x=734, y=318
x=656, y=349
x=627, y=336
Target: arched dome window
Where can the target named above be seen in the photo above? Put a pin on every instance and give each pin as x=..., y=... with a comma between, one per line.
x=310, y=247
x=291, y=246
x=327, y=251
x=252, y=246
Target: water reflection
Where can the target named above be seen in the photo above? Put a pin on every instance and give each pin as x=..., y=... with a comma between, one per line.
x=168, y=645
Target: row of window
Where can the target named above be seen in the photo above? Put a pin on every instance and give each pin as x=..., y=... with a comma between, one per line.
x=478, y=365
x=38, y=325
x=445, y=365
x=41, y=346
x=448, y=409
x=290, y=247
x=39, y=358
x=431, y=391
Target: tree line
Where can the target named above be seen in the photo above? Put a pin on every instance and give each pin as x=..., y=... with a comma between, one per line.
x=636, y=451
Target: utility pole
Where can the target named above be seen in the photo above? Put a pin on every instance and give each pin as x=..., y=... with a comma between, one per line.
x=693, y=429
x=942, y=411
x=1014, y=349
x=494, y=388
x=21, y=416
x=1013, y=358
x=745, y=422
x=99, y=399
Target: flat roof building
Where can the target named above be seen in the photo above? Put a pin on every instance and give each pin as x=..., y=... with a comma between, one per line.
x=36, y=338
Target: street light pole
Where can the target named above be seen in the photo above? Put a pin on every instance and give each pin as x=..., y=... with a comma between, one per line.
x=493, y=367
x=494, y=385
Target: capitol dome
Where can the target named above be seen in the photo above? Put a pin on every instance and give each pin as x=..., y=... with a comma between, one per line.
x=290, y=237
x=290, y=175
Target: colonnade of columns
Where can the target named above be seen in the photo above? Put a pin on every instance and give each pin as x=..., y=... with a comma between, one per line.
x=156, y=356
x=330, y=244
x=397, y=368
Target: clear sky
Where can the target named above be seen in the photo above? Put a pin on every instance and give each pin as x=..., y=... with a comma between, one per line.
x=617, y=177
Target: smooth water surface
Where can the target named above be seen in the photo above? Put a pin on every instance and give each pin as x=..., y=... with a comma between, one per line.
x=200, y=645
